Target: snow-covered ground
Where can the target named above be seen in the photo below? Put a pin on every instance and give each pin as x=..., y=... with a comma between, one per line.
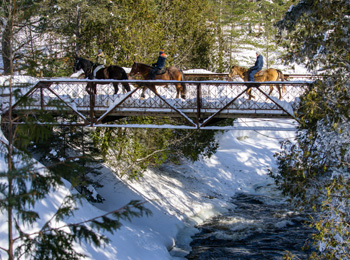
x=184, y=195
x=179, y=196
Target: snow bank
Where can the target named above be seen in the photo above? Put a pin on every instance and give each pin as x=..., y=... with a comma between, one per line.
x=179, y=196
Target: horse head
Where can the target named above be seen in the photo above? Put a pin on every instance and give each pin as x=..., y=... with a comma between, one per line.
x=77, y=65
x=86, y=65
x=134, y=71
x=237, y=71
x=140, y=68
x=233, y=72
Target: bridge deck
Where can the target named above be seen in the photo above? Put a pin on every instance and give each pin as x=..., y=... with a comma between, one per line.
x=206, y=101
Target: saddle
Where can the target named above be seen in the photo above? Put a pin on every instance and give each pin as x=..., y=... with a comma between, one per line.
x=97, y=69
x=259, y=73
x=161, y=71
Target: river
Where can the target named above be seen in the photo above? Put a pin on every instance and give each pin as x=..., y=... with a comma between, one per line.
x=256, y=227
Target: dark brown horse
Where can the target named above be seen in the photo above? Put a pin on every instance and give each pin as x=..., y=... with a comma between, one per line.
x=261, y=76
x=110, y=72
x=171, y=73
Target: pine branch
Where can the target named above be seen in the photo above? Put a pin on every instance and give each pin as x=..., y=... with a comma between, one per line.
x=119, y=212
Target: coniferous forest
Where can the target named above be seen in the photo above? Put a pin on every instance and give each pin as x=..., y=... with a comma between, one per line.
x=41, y=38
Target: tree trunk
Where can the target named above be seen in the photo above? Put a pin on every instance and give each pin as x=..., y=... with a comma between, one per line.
x=7, y=48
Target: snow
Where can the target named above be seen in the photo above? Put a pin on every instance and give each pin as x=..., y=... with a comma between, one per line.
x=197, y=71
x=179, y=196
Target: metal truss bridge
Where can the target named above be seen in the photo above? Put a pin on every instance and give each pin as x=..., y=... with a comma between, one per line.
x=206, y=103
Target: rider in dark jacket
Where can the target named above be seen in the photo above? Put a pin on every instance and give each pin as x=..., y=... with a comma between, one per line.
x=257, y=67
x=158, y=65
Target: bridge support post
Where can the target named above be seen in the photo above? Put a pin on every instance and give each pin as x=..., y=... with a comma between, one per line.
x=92, y=107
x=199, y=104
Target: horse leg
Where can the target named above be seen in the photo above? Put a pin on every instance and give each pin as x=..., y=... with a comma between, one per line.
x=91, y=88
x=284, y=89
x=144, y=88
x=116, y=88
x=126, y=86
x=153, y=87
x=249, y=92
x=178, y=87
x=271, y=89
x=143, y=92
x=280, y=90
x=183, y=91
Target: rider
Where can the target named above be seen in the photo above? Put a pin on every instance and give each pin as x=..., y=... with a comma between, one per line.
x=159, y=65
x=257, y=67
x=100, y=61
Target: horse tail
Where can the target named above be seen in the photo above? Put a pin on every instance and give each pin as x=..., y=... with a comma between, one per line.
x=125, y=76
x=281, y=75
x=183, y=79
x=282, y=78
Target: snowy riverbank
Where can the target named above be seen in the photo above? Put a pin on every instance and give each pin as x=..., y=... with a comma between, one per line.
x=179, y=196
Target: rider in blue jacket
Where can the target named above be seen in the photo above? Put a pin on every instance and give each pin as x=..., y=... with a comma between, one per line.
x=257, y=67
x=158, y=65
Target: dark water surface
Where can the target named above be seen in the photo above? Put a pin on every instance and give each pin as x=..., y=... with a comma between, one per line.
x=259, y=227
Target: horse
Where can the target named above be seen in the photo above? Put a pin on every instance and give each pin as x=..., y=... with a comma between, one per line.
x=171, y=73
x=261, y=76
x=110, y=72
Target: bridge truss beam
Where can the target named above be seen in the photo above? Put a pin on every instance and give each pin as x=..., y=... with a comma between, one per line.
x=206, y=102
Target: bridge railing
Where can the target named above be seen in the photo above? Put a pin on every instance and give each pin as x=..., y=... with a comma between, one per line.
x=225, y=76
x=206, y=101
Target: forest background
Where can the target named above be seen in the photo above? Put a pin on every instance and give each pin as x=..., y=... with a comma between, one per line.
x=47, y=35
x=314, y=171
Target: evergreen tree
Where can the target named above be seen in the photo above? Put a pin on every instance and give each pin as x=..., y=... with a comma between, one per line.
x=69, y=153
x=131, y=30
x=23, y=43
x=314, y=171
x=247, y=23
x=15, y=15
x=23, y=185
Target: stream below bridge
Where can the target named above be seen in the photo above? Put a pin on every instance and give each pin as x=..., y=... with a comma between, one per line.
x=256, y=227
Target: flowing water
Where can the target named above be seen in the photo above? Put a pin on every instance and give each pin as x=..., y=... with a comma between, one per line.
x=257, y=227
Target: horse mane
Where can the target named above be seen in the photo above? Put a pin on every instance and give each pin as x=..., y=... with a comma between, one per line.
x=143, y=64
x=244, y=69
x=85, y=60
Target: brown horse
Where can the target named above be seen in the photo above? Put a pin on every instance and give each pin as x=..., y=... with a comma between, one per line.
x=171, y=73
x=261, y=76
